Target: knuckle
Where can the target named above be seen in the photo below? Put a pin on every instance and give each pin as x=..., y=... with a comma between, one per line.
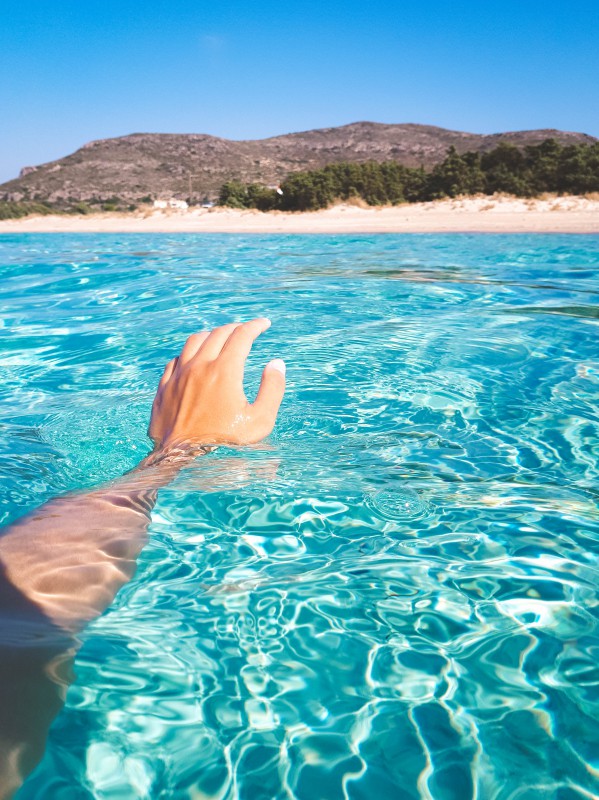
x=182, y=373
x=199, y=371
x=191, y=340
x=212, y=370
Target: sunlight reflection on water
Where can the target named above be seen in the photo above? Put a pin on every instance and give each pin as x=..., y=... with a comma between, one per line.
x=395, y=596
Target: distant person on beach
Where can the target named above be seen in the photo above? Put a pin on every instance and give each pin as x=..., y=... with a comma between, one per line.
x=62, y=565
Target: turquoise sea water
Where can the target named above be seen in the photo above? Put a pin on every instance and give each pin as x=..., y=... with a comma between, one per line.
x=395, y=596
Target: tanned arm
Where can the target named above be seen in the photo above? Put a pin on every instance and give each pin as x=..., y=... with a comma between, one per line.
x=62, y=565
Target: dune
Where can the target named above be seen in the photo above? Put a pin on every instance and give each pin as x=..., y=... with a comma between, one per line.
x=495, y=214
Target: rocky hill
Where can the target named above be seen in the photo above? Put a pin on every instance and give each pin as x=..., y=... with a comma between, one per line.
x=145, y=166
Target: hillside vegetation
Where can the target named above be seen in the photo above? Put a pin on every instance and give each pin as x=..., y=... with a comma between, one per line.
x=9, y=210
x=126, y=171
x=527, y=172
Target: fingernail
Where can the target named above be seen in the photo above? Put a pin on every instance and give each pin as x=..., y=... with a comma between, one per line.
x=267, y=322
x=279, y=364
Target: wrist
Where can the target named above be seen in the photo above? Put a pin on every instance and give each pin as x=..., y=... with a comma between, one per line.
x=175, y=454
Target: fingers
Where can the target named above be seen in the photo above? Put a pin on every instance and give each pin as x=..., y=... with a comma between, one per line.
x=239, y=343
x=210, y=343
x=168, y=371
x=270, y=395
x=213, y=344
x=192, y=346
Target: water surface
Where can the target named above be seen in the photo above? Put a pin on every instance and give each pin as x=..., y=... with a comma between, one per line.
x=396, y=595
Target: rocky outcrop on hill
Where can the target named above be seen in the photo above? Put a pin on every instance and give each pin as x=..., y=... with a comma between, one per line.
x=146, y=166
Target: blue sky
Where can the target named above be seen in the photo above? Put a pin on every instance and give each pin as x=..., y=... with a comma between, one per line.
x=76, y=70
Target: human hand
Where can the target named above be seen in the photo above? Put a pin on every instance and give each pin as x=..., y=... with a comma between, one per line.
x=200, y=398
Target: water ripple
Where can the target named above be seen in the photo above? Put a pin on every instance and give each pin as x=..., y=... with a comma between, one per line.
x=395, y=596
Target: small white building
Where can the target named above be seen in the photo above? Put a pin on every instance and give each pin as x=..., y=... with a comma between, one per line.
x=171, y=203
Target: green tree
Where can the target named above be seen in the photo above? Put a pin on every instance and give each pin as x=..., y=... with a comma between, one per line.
x=261, y=197
x=233, y=194
x=543, y=162
x=505, y=170
x=546, y=167
x=308, y=191
x=578, y=169
x=456, y=175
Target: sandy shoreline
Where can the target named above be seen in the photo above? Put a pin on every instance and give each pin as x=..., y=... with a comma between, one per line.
x=468, y=215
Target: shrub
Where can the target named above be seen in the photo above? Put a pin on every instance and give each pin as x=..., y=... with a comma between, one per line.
x=12, y=210
x=546, y=167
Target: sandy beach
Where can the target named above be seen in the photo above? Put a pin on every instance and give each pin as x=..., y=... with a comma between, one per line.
x=469, y=215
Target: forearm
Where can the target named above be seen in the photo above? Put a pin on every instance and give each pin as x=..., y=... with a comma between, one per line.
x=62, y=565
x=71, y=556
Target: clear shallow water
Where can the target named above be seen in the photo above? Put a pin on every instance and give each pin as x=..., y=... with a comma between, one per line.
x=396, y=597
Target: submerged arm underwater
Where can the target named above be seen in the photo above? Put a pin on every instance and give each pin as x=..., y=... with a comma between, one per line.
x=63, y=564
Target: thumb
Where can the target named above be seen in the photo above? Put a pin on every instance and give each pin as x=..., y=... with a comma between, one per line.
x=270, y=394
